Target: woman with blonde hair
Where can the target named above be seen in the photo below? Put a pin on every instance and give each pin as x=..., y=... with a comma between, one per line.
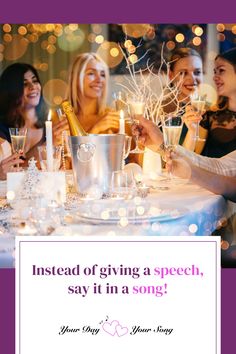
x=88, y=85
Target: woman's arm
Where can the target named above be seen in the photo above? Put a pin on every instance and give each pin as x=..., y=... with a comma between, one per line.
x=217, y=184
x=214, y=182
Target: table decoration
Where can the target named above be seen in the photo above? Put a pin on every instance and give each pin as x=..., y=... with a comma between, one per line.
x=151, y=87
x=32, y=183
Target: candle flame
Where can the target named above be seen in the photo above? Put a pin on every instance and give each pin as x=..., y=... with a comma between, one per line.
x=49, y=115
x=122, y=115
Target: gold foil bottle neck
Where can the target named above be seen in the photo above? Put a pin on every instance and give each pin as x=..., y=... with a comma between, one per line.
x=76, y=128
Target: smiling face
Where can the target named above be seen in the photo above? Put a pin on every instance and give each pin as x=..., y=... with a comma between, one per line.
x=189, y=71
x=94, y=79
x=225, y=78
x=32, y=90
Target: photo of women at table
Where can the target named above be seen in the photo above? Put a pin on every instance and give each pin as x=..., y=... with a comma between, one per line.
x=176, y=86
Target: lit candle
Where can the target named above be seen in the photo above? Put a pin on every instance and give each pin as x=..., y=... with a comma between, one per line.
x=49, y=144
x=122, y=122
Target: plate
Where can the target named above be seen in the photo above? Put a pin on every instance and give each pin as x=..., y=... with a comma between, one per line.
x=123, y=216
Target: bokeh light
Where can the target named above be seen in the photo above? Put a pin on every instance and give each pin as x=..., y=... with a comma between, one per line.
x=6, y=28
x=198, y=31
x=7, y=38
x=99, y=39
x=96, y=28
x=54, y=88
x=233, y=29
x=221, y=37
x=135, y=30
x=22, y=30
x=170, y=45
x=106, y=51
x=220, y=27
x=197, y=41
x=16, y=48
x=72, y=41
x=133, y=58
x=179, y=37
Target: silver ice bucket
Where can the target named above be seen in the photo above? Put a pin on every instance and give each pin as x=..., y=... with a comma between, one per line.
x=94, y=158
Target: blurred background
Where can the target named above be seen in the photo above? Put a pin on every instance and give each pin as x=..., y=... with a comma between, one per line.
x=52, y=47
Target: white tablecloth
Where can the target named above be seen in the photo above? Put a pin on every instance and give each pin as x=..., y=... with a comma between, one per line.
x=201, y=212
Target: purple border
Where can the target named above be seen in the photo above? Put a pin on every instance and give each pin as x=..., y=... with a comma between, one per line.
x=125, y=12
x=122, y=11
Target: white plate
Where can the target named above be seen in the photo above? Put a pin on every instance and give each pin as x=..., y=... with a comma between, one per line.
x=110, y=216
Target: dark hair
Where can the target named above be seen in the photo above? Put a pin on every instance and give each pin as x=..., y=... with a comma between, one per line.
x=11, y=93
x=182, y=53
x=230, y=56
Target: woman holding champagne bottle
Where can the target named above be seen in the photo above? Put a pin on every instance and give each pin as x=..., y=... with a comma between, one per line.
x=22, y=106
x=88, y=84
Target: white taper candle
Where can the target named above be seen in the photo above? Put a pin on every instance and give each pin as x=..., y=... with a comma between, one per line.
x=49, y=143
x=122, y=122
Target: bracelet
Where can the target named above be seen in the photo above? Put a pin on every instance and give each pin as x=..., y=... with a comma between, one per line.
x=161, y=149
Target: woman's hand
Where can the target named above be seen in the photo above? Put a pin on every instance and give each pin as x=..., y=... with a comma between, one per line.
x=191, y=118
x=107, y=124
x=177, y=165
x=149, y=134
x=57, y=130
x=10, y=165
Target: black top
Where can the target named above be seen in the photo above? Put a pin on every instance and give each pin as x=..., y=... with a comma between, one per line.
x=221, y=126
x=4, y=132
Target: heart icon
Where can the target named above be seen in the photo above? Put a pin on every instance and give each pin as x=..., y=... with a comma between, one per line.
x=110, y=328
x=121, y=331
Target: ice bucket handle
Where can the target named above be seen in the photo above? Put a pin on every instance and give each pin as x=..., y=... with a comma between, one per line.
x=85, y=152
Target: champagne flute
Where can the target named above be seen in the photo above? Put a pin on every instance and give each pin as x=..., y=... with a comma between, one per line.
x=120, y=100
x=198, y=104
x=136, y=109
x=172, y=128
x=18, y=138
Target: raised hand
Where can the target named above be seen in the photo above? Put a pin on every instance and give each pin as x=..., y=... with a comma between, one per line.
x=191, y=118
x=149, y=134
x=10, y=165
x=57, y=130
x=107, y=124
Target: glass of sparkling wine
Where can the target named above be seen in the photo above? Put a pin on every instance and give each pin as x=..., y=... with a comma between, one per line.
x=172, y=128
x=120, y=100
x=198, y=104
x=57, y=152
x=18, y=138
x=136, y=110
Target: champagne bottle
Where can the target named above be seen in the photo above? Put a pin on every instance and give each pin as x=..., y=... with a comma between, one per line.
x=76, y=128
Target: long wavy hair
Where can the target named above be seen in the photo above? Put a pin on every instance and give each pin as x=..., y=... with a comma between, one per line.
x=76, y=82
x=230, y=57
x=11, y=96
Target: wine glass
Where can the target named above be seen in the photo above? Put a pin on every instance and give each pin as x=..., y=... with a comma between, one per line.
x=136, y=109
x=122, y=185
x=18, y=138
x=120, y=100
x=57, y=152
x=172, y=128
x=198, y=103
